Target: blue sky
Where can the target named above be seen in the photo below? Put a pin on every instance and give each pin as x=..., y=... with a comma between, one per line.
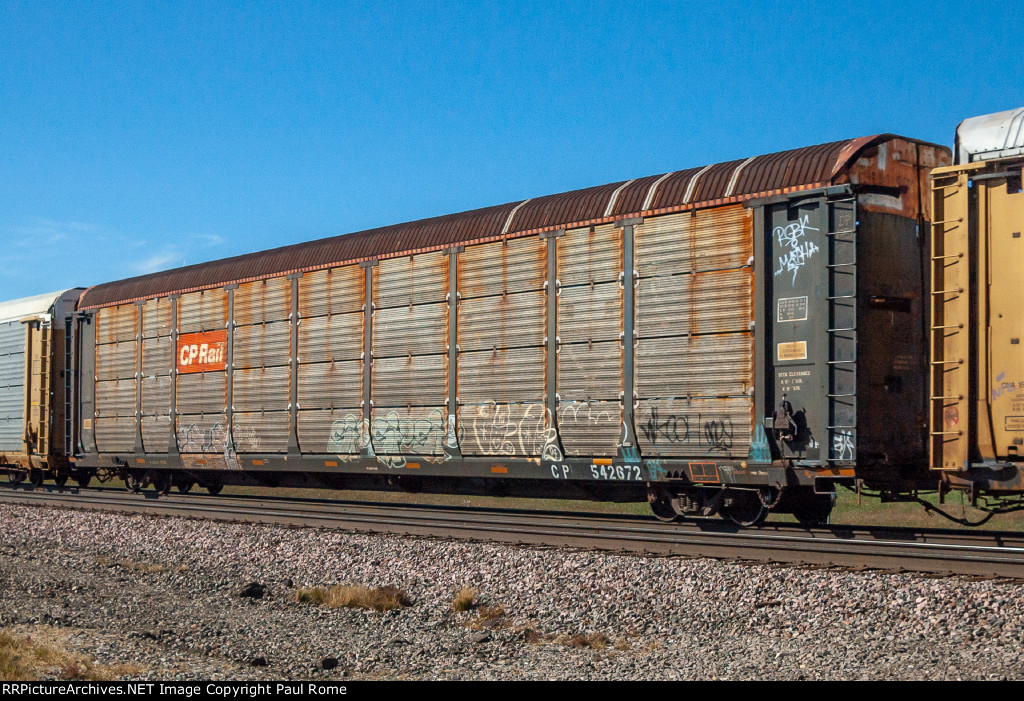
x=141, y=136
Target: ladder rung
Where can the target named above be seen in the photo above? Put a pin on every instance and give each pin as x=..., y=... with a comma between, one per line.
x=958, y=291
x=947, y=221
x=950, y=326
x=947, y=362
x=843, y=297
x=854, y=394
x=957, y=255
x=947, y=433
x=841, y=362
x=949, y=398
x=840, y=265
x=852, y=328
x=841, y=427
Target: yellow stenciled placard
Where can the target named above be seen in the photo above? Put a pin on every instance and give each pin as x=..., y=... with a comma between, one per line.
x=794, y=350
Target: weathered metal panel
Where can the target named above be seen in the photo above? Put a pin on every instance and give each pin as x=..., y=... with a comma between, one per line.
x=410, y=330
x=116, y=361
x=332, y=431
x=333, y=291
x=115, y=398
x=590, y=313
x=261, y=431
x=157, y=356
x=156, y=433
x=417, y=430
x=991, y=136
x=327, y=338
x=712, y=302
x=262, y=345
x=329, y=385
x=515, y=375
x=590, y=371
x=410, y=280
x=156, y=396
x=12, y=385
x=502, y=321
x=505, y=429
x=260, y=389
x=590, y=255
x=590, y=428
x=663, y=245
x=717, y=365
x=202, y=311
x=262, y=301
x=202, y=433
x=201, y=393
x=115, y=434
x=114, y=324
x=419, y=380
x=503, y=267
x=707, y=239
x=709, y=427
x=156, y=317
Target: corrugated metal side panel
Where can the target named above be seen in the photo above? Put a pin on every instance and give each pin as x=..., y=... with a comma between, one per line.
x=408, y=431
x=115, y=324
x=202, y=433
x=502, y=376
x=156, y=433
x=417, y=330
x=590, y=255
x=702, y=366
x=12, y=385
x=410, y=280
x=590, y=313
x=156, y=396
x=157, y=356
x=694, y=428
x=335, y=337
x=332, y=291
x=723, y=238
x=260, y=389
x=590, y=428
x=202, y=311
x=115, y=361
x=503, y=267
x=590, y=371
x=504, y=429
x=262, y=345
x=115, y=398
x=331, y=431
x=712, y=302
x=156, y=317
x=417, y=381
x=115, y=435
x=330, y=385
x=502, y=321
x=261, y=432
x=202, y=393
x=663, y=245
x=263, y=300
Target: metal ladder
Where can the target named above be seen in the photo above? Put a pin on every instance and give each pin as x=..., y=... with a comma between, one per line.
x=949, y=323
x=842, y=330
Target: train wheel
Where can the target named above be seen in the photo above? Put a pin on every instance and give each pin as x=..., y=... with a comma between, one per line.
x=83, y=479
x=36, y=477
x=814, y=509
x=133, y=482
x=162, y=482
x=745, y=509
x=15, y=477
x=61, y=478
x=184, y=485
x=214, y=489
x=661, y=505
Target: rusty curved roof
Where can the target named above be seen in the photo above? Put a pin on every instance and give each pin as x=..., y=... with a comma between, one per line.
x=734, y=181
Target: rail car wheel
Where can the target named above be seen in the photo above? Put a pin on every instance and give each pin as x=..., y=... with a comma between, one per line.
x=133, y=481
x=183, y=484
x=661, y=505
x=36, y=477
x=83, y=480
x=15, y=477
x=813, y=509
x=61, y=478
x=161, y=482
x=214, y=489
x=745, y=509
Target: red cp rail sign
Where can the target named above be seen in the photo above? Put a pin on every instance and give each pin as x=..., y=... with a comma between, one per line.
x=202, y=352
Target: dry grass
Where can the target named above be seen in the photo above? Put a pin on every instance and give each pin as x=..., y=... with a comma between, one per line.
x=594, y=641
x=488, y=617
x=355, y=596
x=465, y=599
x=133, y=565
x=29, y=658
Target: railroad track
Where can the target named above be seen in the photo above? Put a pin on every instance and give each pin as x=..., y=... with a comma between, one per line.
x=981, y=553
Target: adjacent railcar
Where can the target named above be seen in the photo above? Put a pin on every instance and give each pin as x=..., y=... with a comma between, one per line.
x=733, y=338
x=35, y=392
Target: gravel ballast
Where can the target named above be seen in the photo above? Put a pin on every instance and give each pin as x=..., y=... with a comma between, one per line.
x=175, y=598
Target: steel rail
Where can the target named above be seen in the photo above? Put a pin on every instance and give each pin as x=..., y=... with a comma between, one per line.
x=980, y=553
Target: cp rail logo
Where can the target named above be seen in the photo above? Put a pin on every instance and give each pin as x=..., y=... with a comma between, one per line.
x=202, y=352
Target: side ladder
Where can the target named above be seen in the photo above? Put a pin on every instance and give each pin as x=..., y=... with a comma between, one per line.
x=949, y=366
x=842, y=330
